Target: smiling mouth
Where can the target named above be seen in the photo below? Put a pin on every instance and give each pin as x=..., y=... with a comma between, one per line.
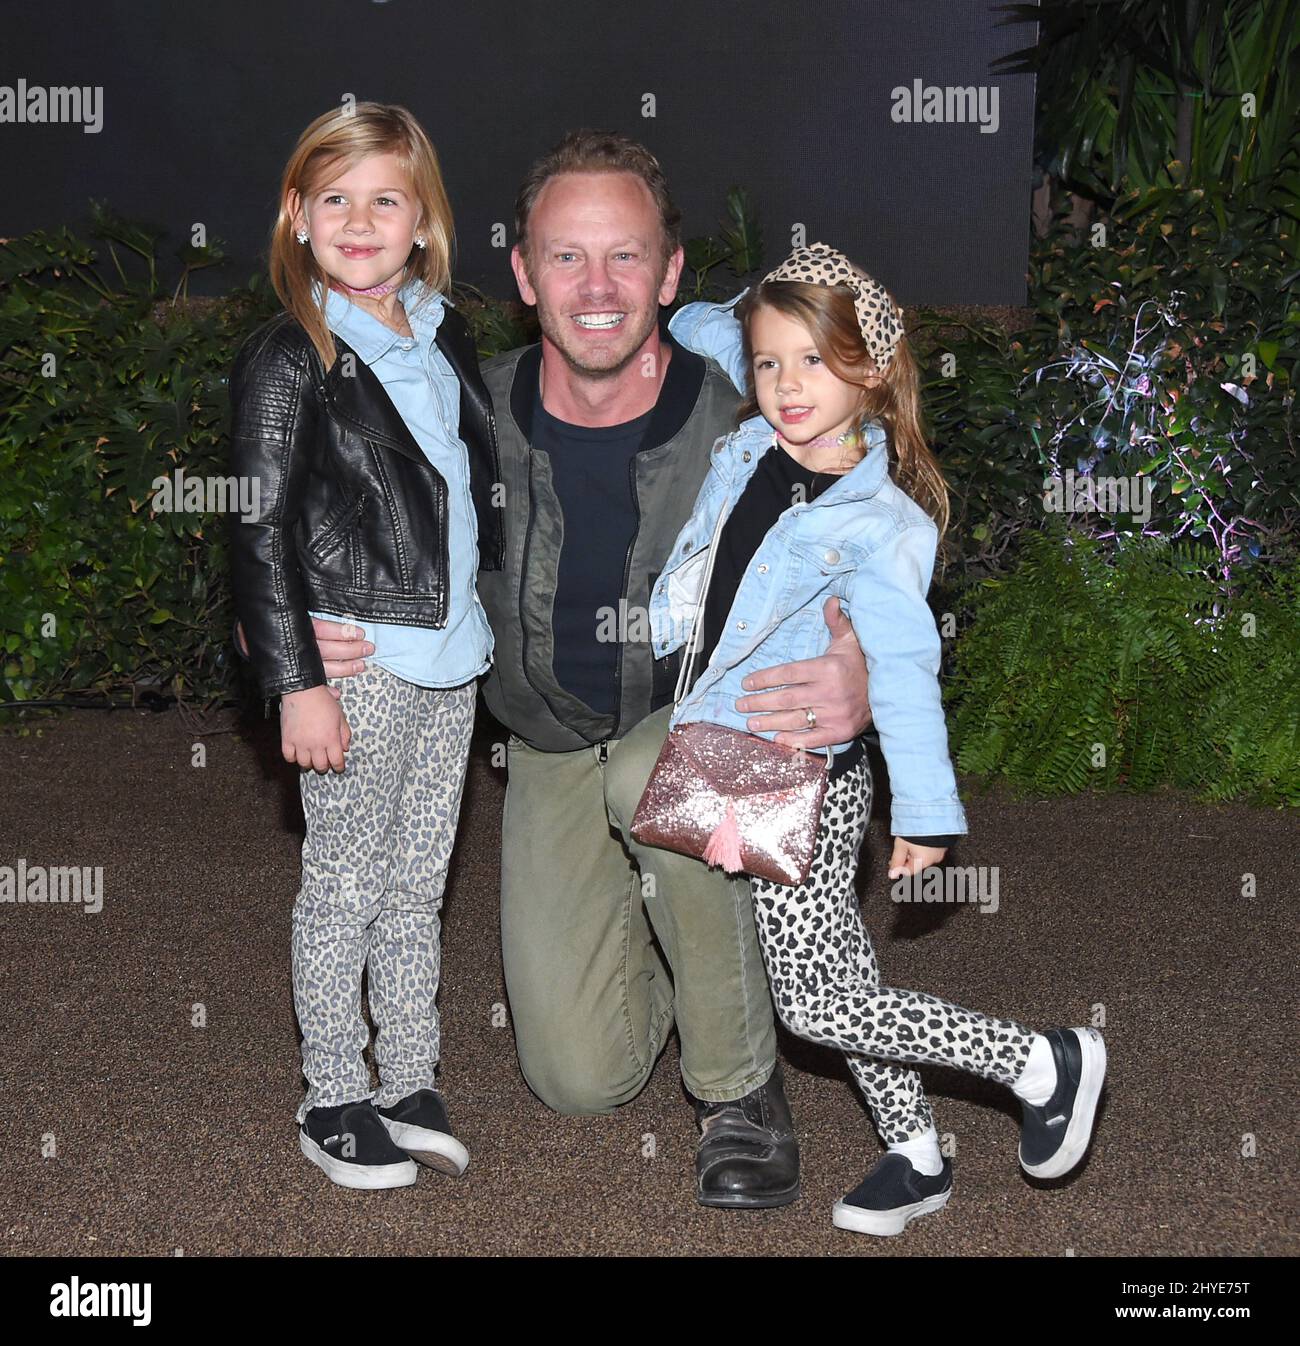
x=598, y=322
x=356, y=247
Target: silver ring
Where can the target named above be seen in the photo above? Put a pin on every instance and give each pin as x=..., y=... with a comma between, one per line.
x=811, y=716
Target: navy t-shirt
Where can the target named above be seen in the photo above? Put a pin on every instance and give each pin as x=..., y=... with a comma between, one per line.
x=592, y=471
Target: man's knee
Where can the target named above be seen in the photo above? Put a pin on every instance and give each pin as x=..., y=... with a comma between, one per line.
x=575, y=1090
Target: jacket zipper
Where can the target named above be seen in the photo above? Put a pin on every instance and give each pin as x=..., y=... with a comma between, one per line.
x=500, y=552
x=627, y=573
x=326, y=544
x=697, y=620
x=444, y=550
x=523, y=626
x=523, y=579
x=440, y=597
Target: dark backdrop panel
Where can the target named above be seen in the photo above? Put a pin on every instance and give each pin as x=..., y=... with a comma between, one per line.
x=202, y=104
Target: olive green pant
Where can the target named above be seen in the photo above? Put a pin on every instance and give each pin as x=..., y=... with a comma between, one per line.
x=581, y=907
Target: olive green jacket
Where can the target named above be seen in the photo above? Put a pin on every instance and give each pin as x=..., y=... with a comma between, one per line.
x=696, y=405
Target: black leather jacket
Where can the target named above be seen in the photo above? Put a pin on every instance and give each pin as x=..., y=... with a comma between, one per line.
x=353, y=515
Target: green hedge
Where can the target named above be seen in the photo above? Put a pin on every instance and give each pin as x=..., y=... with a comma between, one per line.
x=102, y=390
x=1091, y=667
x=107, y=383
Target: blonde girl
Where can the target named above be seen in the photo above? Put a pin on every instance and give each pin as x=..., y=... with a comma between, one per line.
x=361, y=411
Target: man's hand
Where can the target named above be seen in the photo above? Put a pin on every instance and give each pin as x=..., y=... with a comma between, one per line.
x=833, y=686
x=314, y=732
x=342, y=648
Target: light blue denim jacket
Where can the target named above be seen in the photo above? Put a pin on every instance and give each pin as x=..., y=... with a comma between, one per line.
x=864, y=541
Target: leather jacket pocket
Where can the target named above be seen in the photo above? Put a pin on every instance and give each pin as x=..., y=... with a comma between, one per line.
x=332, y=536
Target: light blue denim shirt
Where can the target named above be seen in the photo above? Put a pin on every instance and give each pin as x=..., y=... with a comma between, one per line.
x=426, y=392
x=863, y=540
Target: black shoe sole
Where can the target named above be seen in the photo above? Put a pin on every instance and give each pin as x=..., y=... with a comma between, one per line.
x=742, y=1201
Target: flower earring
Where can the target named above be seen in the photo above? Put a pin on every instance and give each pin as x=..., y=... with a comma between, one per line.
x=421, y=244
x=301, y=236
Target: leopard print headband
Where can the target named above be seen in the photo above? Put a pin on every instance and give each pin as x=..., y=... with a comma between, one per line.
x=880, y=319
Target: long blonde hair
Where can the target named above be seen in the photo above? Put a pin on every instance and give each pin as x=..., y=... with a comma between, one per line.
x=828, y=314
x=340, y=139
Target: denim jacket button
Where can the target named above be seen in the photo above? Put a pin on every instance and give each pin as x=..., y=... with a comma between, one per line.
x=686, y=546
x=832, y=557
x=746, y=455
x=762, y=570
x=742, y=626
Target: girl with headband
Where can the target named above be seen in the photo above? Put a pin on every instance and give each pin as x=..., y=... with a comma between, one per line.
x=828, y=488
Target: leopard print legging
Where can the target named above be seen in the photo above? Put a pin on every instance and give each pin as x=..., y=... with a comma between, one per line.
x=826, y=983
x=374, y=864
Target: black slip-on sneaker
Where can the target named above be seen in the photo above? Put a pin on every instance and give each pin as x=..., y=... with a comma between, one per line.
x=1055, y=1136
x=350, y=1144
x=892, y=1194
x=418, y=1125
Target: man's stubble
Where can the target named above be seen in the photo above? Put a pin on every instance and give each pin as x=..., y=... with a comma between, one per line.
x=555, y=327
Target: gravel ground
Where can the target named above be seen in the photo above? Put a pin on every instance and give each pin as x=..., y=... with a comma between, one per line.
x=168, y=1135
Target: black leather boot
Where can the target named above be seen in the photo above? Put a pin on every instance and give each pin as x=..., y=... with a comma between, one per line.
x=748, y=1157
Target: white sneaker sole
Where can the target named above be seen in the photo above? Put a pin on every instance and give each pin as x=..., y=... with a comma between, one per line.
x=435, y=1148
x=1078, y=1131
x=366, y=1177
x=885, y=1223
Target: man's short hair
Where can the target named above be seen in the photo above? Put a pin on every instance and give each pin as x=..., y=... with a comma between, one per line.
x=589, y=151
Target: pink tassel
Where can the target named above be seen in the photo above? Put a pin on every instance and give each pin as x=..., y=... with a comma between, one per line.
x=724, y=845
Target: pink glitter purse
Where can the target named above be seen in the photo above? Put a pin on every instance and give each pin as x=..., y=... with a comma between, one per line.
x=731, y=798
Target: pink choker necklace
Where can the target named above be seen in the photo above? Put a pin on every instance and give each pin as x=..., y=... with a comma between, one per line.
x=374, y=292
x=849, y=439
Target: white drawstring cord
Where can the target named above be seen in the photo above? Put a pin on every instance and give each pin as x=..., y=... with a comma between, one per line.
x=688, y=660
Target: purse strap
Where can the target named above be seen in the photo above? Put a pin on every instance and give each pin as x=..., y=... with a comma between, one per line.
x=684, y=673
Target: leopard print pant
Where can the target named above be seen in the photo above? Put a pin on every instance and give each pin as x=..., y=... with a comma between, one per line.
x=826, y=983
x=374, y=864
